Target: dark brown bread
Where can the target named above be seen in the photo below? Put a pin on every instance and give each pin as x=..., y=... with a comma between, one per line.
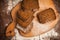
x=30, y=4
x=24, y=18
x=24, y=15
x=46, y=15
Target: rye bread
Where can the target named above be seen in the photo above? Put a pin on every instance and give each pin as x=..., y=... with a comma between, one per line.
x=46, y=15
x=30, y=4
x=24, y=18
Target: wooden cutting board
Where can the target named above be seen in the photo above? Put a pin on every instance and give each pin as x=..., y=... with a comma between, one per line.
x=39, y=28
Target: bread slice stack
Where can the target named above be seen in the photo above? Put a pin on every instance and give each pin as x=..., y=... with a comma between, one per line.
x=25, y=14
x=46, y=15
x=24, y=18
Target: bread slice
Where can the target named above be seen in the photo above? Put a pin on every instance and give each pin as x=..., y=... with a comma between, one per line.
x=24, y=15
x=30, y=4
x=24, y=18
x=46, y=15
